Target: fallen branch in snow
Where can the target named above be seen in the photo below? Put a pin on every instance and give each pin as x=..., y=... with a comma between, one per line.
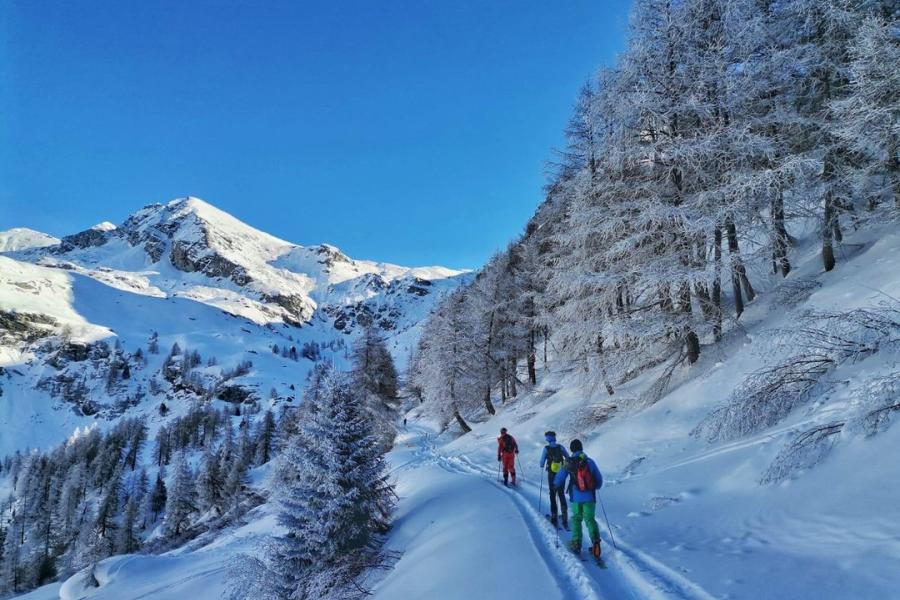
x=811, y=446
x=825, y=340
x=806, y=451
x=765, y=397
x=883, y=393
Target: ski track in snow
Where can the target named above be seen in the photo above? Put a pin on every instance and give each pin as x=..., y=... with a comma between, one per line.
x=631, y=573
x=169, y=586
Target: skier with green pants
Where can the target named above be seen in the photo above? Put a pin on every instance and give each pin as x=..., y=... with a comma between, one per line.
x=586, y=480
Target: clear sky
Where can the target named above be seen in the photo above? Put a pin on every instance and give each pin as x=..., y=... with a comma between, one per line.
x=413, y=132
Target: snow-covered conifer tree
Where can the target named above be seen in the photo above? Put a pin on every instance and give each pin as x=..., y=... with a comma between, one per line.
x=181, y=501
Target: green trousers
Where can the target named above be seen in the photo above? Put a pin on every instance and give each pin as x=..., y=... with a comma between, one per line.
x=584, y=511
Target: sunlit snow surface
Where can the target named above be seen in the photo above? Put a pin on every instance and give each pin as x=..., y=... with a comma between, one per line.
x=690, y=519
x=117, y=292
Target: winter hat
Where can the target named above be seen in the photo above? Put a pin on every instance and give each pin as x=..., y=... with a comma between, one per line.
x=550, y=436
x=575, y=446
x=503, y=430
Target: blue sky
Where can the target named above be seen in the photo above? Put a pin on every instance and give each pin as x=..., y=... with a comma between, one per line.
x=412, y=132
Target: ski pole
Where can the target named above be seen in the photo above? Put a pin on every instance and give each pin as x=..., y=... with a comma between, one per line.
x=541, y=495
x=611, y=536
x=498, y=471
x=518, y=462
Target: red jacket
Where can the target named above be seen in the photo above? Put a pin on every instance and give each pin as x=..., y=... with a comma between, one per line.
x=500, y=445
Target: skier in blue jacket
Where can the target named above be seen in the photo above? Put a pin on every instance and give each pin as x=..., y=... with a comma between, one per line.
x=586, y=480
x=554, y=457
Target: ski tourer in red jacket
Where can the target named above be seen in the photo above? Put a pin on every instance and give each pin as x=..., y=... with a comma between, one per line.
x=507, y=448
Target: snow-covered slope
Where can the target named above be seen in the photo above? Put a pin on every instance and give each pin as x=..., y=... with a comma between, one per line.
x=183, y=272
x=804, y=508
x=22, y=238
x=690, y=519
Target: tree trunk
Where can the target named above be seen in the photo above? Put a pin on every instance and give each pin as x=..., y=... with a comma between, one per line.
x=665, y=299
x=503, y=384
x=684, y=299
x=606, y=384
x=546, y=329
x=703, y=297
x=693, y=342
x=487, y=401
x=693, y=346
x=781, y=237
x=736, y=263
x=894, y=175
x=827, y=232
x=829, y=214
x=701, y=289
x=513, y=391
x=462, y=422
x=532, y=373
x=717, y=285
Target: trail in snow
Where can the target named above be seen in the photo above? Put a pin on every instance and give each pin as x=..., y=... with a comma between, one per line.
x=631, y=573
x=462, y=537
x=510, y=544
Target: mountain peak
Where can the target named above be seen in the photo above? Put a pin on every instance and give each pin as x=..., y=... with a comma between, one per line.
x=193, y=219
x=104, y=226
x=23, y=238
x=197, y=206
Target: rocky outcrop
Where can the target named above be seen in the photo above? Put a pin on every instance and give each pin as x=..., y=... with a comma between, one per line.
x=329, y=255
x=197, y=257
x=154, y=245
x=234, y=394
x=19, y=326
x=299, y=308
x=90, y=238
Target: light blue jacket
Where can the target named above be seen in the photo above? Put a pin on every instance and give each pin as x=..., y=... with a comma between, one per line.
x=576, y=495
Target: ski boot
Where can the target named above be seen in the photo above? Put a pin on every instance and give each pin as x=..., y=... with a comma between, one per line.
x=575, y=548
x=553, y=521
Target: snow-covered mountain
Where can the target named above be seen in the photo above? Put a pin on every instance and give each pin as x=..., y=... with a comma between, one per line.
x=72, y=311
x=22, y=238
x=190, y=249
x=687, y=519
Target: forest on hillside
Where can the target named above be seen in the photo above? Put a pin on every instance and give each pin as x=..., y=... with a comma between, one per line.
x=103, y=493
x=725, y=132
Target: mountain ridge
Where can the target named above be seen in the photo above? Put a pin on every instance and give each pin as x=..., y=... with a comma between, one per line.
x=163, y=244
x=187, y=276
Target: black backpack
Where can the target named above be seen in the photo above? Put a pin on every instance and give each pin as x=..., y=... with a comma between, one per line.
x=508, y=443
x=554, y=456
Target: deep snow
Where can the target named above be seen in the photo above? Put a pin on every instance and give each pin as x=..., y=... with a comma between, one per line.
x=691, y=519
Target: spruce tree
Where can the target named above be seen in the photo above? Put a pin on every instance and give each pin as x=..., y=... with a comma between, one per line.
x=265, y=438
x=210, y=482
x=333, y=496
x=181, y=502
